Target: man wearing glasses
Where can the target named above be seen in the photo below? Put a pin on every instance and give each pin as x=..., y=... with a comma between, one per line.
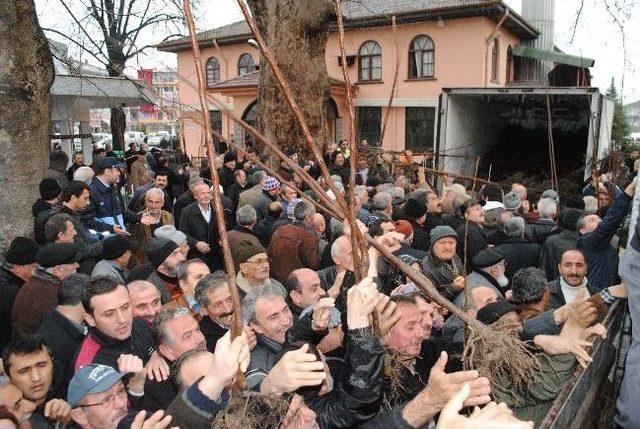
x=253, y=267
x=98, y=396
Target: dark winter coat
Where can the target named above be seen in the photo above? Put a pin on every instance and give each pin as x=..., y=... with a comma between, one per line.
x=193, y=224
x=225, y=175
x=443, y=273
x=106, y=206
x=540, y=230
x=556, y=297
x=181, y=202
x=212, y=332
x=601, y=257
x=9, y=287
x=98, y=348
x=476, y=242
x=421, y=240
x=552, y=250
x=63, y=339
x=519, y=253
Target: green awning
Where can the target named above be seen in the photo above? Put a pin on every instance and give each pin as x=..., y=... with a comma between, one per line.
x=556, y=57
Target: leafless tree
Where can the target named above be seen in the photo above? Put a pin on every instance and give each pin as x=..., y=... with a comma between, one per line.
x=112, y=31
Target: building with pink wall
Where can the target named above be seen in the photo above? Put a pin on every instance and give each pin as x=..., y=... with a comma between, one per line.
x=437, y=44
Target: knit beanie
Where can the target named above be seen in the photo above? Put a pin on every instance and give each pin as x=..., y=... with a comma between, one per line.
x=245, y=250
x=442, y=231
x=159, y=249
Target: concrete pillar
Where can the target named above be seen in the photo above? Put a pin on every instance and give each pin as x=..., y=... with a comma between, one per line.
x=87, y=143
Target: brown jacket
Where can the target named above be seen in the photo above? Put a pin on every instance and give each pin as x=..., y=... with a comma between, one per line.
x=34, y=300
x=142, y=235
x=293, y=246
x=238, y=234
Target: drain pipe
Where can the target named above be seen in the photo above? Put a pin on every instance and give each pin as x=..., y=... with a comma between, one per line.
x=488, y=43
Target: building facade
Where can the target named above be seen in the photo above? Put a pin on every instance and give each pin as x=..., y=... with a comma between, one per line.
x=437, y=44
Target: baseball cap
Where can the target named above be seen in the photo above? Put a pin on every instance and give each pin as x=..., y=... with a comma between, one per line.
x=91, y=379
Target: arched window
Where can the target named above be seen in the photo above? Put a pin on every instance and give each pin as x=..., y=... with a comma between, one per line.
x=421, y=58
x=246, y=64
x=495, y=59
x=370, y=62
x=213, y=71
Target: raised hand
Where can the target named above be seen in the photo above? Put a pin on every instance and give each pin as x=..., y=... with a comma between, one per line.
x=157, y=368
x=132, y=363
x=157, y=420
x=361, y=301
x=294, y=370
x=57, y=409
x=230, y=356
x=321, y=313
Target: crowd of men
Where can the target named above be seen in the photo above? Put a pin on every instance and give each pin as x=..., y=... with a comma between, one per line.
x=120, y=304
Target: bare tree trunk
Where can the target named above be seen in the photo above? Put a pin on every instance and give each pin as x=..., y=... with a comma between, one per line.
x=118, y=125
x=296, y=32
x=26, y=76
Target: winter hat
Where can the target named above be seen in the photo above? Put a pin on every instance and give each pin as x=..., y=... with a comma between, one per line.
x=404, y=227
x=442, y=231
x=92, y=379
x=170, y=232
x=491, y=313
x=53, y=254
x=159, y=249
x=49, y=188
x=291, y=207
x=245, y=250
x=512, y=201
x=115, y=246
x=22, y=251
x=528, y=285
x=413, y=210
x=487, y=258
x=270, y=183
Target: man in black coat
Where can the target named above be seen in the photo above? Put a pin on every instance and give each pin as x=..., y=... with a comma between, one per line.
x=63, y=329
x=415, y=213
x=184, y=200
x=198, y=222
x=225, y=174
x=20, y=261
x=517, y=250
x=470, y=234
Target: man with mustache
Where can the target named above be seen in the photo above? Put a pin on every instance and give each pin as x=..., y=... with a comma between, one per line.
x=213, y=296
x=572, y=280
x=175, y=332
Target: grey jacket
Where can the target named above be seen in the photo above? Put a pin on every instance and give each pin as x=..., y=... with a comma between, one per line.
x=109, y=268
x=263, y=358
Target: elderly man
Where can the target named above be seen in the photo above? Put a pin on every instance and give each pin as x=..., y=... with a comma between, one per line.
x=246, y=219
x=100, y=398
x=240, y=185
x=175, y=332
x=442, y=265
x=165, y=256
x=474, y=240
x=268, y=314
x=253, y=267
x=155, y=216
x=189, y=274
x=38, y=295
x=78, y=161
x=295, y=245
x=198, y=222
x=382, y=205
x=489, y=270
x=303, y=289
x=337, y=278
x=538, y=231
x=595, y=240
x=517, y=250
x=145, y=300
x=19, y=262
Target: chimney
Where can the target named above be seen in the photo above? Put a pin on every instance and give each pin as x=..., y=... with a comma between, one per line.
x=540, y=14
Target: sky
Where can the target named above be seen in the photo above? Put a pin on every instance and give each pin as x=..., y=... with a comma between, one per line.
x=597, y=36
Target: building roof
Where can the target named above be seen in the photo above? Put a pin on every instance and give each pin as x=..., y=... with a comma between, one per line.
x=373, y=13
x=555, y=57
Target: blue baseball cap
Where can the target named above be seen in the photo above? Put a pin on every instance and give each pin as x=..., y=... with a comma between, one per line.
x=91, y=379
